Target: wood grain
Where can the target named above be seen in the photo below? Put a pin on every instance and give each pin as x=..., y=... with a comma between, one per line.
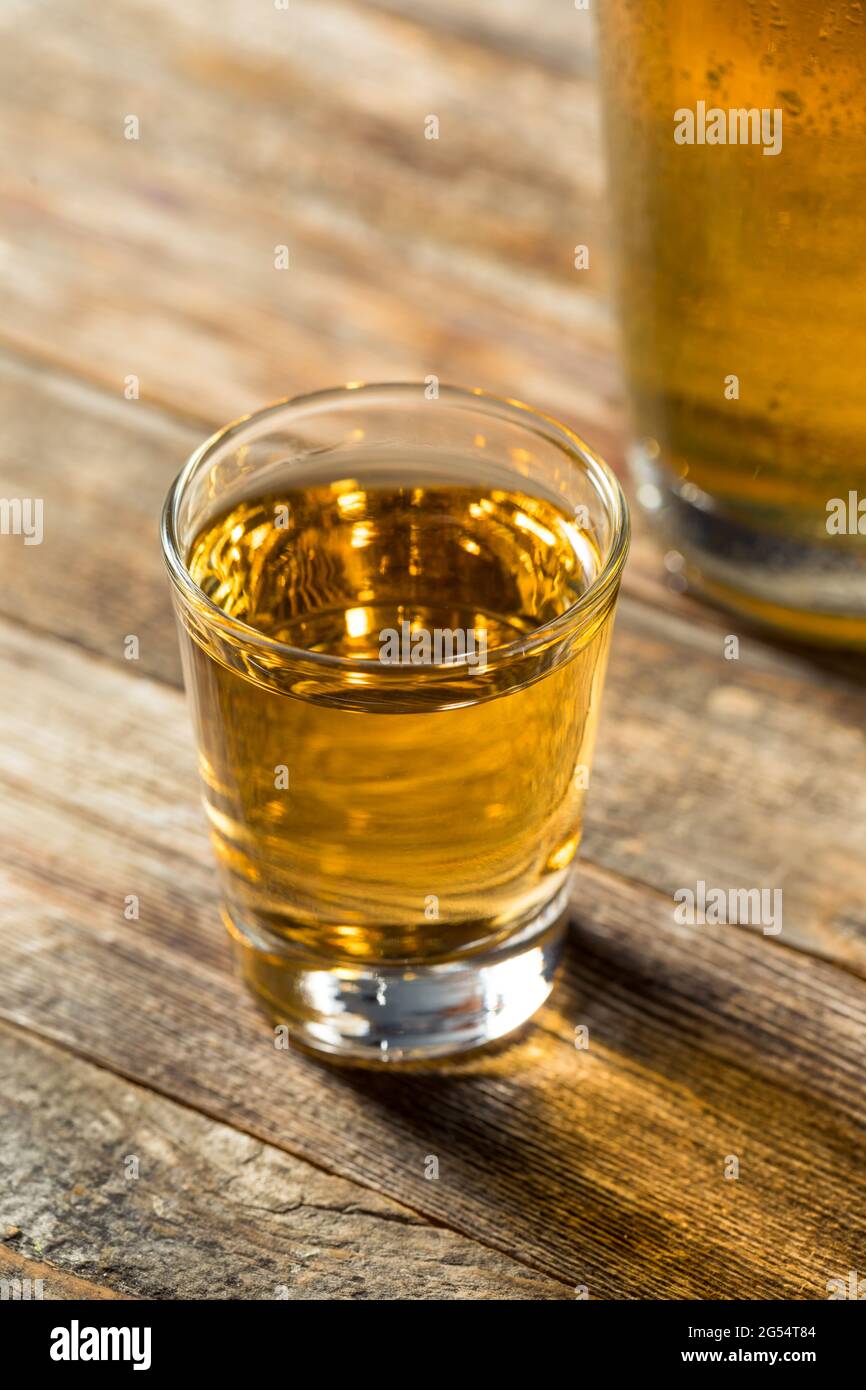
x=559, y=37
x=24, y=1279
x=602, y=1167
x=204, y=1211
x=261, y=128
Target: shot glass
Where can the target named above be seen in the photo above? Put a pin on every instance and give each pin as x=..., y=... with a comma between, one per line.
x=395, y=605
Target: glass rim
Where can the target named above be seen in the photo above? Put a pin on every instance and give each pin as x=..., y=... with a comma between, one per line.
x=602, y=477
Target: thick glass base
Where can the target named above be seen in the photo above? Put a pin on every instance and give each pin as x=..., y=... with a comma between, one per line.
x=408, y=1012
x=814, y=591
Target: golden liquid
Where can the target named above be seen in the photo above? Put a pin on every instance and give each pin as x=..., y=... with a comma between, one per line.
x=427, y=813
x=734, y=262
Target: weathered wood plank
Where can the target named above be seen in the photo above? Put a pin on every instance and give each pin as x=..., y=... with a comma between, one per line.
x=602, y=1167
x=27, y=1279
x=686, y=734
x=112, y=1183
x=557, y=36
x=263, y=128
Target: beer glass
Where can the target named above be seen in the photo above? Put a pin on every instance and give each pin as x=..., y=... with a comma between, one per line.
x=737, y=149
x=394, y=606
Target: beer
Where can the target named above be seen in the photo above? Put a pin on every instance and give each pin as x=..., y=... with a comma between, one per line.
x=737, y=140
x=395, y=708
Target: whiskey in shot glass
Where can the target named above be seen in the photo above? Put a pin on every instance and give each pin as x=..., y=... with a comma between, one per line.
x=395, y=613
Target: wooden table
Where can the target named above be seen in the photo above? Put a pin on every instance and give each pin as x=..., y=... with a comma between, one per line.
x=262, y=1172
